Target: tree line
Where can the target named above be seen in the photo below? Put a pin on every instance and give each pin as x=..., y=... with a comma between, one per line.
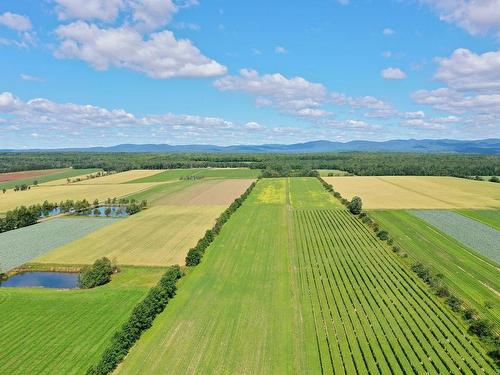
x=358, y=163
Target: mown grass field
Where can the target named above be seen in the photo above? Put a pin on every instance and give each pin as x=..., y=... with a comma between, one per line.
x=471, y=276
x=48, y=331
x=421, y=192
x=303, y=288
x=22, y=245
x=36, y=195
x=158, y=236
x=58, y=175
x=175, y=174
x=488, y=217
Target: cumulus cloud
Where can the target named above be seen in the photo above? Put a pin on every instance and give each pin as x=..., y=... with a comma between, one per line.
x=9, y=102
x=280, y=50
x=15, y=22
x=466, y=70
x=393, y=73
x=475, y=16
x=104, y=10
x=446, y=99
x=388, y=32
x=160, y=55
x=293, y=95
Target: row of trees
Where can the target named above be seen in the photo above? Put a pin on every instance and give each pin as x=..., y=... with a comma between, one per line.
x=358, y=163
x=195, y=254
x=142, y=318
x=477, y=326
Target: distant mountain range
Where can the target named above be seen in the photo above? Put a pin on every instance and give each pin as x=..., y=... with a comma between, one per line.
x=483, y=146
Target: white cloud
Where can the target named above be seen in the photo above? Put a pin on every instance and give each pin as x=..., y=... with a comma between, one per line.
x=413, y=115
x=152, y=14
x=253, y=125
x=291, y=95
x=8, y=102
x=388, y=32
x=423, y=124
x=160, y=55
x=387, y=54
x=452, y=101
x=104, y=10
x=393, y=73
x=475, y=16
x=15, y=21
x=465, y=70
x=280, y=50
x=27, y=77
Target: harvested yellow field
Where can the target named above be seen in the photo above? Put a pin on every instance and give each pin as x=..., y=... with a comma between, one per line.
x=158, y=236
x=404, y=192
x=122, y=177
x=208, y=192
x=35, y=195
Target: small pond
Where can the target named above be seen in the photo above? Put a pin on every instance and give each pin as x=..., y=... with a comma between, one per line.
x=114, y=211
x=60, y=280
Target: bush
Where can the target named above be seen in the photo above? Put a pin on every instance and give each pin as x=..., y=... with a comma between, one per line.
x=355, y=206
x=469, y=313
x=481, y=328
x=454, y=302
x=443, y=291
x=97, y=274
x=494, y=179
x=383, y=235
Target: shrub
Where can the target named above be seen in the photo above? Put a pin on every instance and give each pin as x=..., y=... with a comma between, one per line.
x=355, y=206
x=469, y=313
x=97, y=274
x=494, y=179
x=443, y=291
x=383, y=235
x=396, y=249
x=454, y=302
x=481, y=328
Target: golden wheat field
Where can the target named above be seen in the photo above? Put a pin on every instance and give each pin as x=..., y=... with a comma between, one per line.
x=158, y=236
x=38, y=194
x=404, y=192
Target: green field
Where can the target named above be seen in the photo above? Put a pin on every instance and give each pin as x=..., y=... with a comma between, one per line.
x=49, y=331
x=471, y=276
x=175, y=174
x=303, y=288
x=488, y=217
x=69, y=172
x=161, y=190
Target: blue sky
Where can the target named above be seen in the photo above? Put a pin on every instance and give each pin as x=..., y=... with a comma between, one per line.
x=103, y=72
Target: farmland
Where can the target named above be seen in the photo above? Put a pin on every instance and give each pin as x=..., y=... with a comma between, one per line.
x=47, y=331
x=471, y=276
x=59, y=174
x=477, y=236
x=120, y=178
x=21, y=245
x=37, y=195
x=305, y=288
x=175, y=174
x=404, y=192
x=158, y=236
x=13, y=176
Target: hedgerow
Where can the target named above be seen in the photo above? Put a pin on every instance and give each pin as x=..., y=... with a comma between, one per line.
x=141, y=319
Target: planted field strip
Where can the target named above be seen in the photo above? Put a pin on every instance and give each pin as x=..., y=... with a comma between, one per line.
x=120, y=178
x=371, y=315
x=175, y=174
x=158, y=236
x=22, y=245
x=58, y=175
x=479, y=237
x=419, y=192
x=36, y=195
x=306, y=192
x=273, y=191
x=488, y=217
x=235, y=313
x=49, y=331
x=207, y=192
x=472, y=277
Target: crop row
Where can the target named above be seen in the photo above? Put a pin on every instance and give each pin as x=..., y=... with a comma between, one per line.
x=371, y=315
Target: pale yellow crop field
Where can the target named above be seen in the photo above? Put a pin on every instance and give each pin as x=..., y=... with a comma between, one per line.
x=404, y=192
x=208, y=192
x=120, y=178
x=158, y=236
x=36, y=195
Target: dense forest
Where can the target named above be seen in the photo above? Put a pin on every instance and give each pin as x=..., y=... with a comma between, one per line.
x=359, y=163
